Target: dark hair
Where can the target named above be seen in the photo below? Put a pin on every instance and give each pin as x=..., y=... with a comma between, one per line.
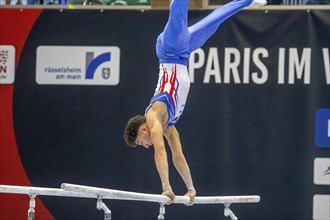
x=132, y=128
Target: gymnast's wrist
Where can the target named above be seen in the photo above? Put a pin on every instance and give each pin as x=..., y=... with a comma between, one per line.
x=191, y=189
x=167, y=188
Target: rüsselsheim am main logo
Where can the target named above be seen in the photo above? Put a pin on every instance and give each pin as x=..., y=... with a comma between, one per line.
x=77, y=65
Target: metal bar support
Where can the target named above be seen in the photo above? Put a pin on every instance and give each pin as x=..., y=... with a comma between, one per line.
x=228, y=212
x=32, y=205
x=161, y=211
x=100, y=205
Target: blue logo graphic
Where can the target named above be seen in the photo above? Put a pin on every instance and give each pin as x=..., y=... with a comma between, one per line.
x=93, y=63
x=322, y=128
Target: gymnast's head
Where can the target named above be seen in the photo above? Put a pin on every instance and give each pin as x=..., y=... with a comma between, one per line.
x=137, y=132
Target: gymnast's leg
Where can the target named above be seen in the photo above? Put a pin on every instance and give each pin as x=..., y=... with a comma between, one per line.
x=175, y=37
x=205, y=28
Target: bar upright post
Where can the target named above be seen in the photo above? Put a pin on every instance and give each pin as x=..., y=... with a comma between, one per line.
x=100, y=205
x=228, y=212
x=161, y=211
x=32, y=205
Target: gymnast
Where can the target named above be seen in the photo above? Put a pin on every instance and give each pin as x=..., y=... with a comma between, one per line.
x=173, y=49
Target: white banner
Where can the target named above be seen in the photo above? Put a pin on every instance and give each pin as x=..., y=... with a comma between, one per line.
x=77, y=65
x=7, y=64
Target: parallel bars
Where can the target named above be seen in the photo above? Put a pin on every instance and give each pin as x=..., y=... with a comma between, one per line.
x=73, y=190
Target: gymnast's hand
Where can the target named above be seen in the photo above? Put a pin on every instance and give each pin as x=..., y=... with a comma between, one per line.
x=191, y=193
x=170, y=194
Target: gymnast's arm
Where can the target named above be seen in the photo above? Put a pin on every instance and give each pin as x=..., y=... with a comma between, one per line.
x=179, y=160
x=154, y=123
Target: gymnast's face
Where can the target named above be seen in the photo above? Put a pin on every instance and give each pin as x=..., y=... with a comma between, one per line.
x=144, y=137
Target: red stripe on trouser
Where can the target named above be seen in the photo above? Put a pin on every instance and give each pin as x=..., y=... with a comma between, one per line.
x=172, y=82
x=164, y=80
